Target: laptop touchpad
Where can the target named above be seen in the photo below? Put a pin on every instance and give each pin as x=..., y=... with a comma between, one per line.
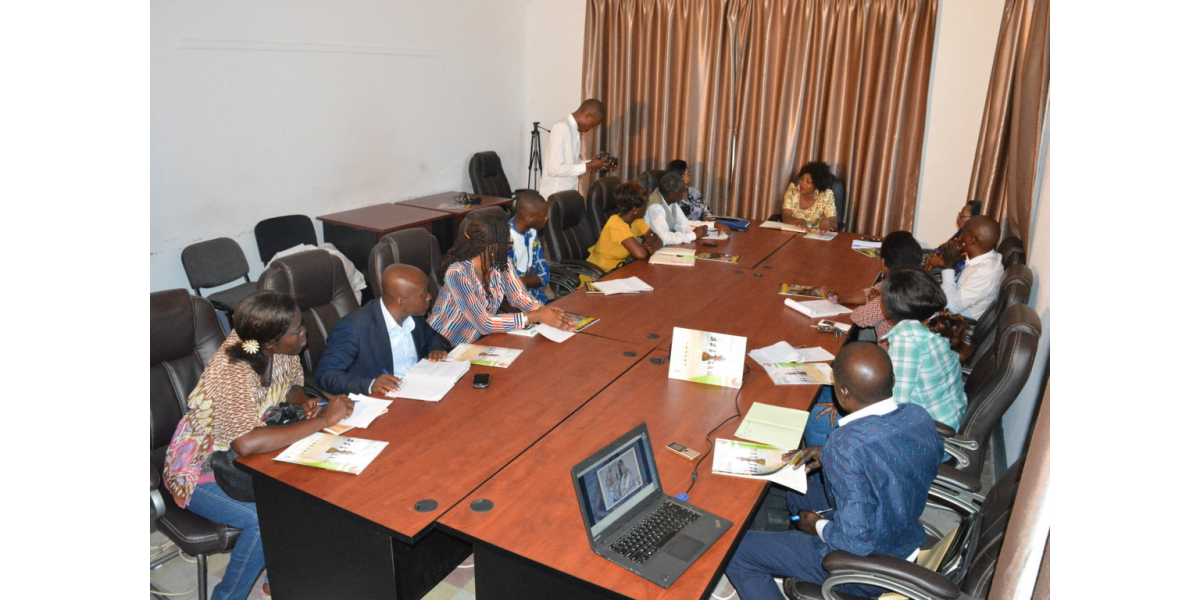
x=685, y=548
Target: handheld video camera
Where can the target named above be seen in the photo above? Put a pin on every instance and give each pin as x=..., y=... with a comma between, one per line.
x=610, y=161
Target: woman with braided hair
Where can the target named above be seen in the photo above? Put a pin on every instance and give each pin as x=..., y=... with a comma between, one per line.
x=467, y=308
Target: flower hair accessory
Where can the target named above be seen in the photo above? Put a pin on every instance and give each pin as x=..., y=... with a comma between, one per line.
x=250, y=346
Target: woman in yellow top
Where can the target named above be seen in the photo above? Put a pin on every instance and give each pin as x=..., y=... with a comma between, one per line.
x=808, y=201
x=619, y=239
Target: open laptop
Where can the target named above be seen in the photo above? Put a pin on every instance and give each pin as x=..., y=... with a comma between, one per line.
x=629, y=519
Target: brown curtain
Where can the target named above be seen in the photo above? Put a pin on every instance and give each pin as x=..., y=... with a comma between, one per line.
x=1006, y=157
x=749, y=90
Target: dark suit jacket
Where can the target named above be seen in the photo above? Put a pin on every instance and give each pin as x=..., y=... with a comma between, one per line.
x=878, y=470
x=358, y=350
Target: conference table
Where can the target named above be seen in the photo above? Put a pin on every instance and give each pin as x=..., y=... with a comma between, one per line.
x=355, y=232
x=488, y=470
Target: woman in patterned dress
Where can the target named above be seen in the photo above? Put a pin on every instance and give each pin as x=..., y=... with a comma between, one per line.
x=255, y=368
x=808, y=201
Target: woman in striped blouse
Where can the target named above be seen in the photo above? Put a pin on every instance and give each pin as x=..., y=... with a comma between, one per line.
x=466, y=309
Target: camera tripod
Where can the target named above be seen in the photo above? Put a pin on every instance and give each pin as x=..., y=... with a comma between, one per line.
x=535, y=156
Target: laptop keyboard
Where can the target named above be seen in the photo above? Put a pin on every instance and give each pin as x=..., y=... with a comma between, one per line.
x=653, y=531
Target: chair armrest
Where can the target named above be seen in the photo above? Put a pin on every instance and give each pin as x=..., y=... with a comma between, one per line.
x=157, y=507
x=579, y=267
x=944, y=430
x=315, y=392
x=952, y=478
x=562, y=281
x=889, y=572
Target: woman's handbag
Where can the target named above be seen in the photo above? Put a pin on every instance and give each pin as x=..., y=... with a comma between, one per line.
x=236, y=483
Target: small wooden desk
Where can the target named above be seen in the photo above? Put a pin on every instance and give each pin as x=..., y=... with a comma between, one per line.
x=355, y=232
x=533, y=544
x=444, y=202
x=334, y=535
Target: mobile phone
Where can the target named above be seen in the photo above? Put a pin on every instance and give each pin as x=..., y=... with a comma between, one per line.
x=682, y=450
x=709, y=244
x=482, y=380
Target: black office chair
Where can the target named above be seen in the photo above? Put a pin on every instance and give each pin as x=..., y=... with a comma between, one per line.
x=601, y=202
x=999, y=376
x=1012, y=251
x=317, y=281
x=1015, y=288
x=214, y=263
x=415, y=247
x=487, y=176
x=569, y=234
x=184, y=335
x=280, y=233
x=960, y=567
x=649, y=179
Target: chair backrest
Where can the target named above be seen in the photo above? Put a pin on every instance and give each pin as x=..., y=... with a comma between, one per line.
x=972, y=563
x=1012, y=251
x=1015, y=288
x=415, y=247
x=649, y=179
x=212, y=263
x=184, y=335
x=568, y=234
x=998, y=376
x=317, y=281
x=487, y=175
x=602, y=202
x=839, y=203
x=281, y=233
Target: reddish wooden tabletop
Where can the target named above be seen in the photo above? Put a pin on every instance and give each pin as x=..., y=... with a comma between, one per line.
x=679, y=293
x=755, y=308
x=444, y=202
x=443, y=450
x=384, y=218
x=539, y=481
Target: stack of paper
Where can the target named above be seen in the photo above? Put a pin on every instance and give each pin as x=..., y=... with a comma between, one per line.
x=366, y=409
x=715, y=234
x=817, y=308
x=629, y=285
x=778, y=426
x=813, y=234
x=579, y=322
x=756, y=461
x=681, y=257
x=782, y=352
x=799, y=373
x=487, y=356
x=782, y=226
x=430, y=381
x=866, y=247
x=333, y=452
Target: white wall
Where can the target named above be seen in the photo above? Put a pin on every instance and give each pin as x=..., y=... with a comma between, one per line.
x=281, y=107
x=962, y=64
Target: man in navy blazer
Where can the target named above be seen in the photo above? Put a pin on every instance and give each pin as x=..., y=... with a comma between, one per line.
x=371, y=349
x=878, y=465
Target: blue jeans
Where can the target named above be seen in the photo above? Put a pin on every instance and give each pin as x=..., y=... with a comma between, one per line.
x=246, y=562
x=764, y=555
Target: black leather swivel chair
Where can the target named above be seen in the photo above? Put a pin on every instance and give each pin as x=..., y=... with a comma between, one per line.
x=214, y=263
x=487, y=176
x=964, y=572
x=184, y=335
x=1012, y=251
x=998, y=377
x=415, y=247
x=601, y=202
x=280, y=233
x=1015, y=288
x=569, y=234
x=649, y=179
x=839, y=202
x=317, y=281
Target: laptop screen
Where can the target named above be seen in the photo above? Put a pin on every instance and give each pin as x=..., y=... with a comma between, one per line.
x=616, y=482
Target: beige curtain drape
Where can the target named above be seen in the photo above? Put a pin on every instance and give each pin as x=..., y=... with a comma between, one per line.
x=1006, y=156
x=747, y=91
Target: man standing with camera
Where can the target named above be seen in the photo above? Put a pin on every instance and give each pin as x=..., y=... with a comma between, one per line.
x=563, y=164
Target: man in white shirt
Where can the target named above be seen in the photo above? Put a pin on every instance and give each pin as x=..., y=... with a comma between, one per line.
x=665, y=216
x=976, y=287
x=562, y=164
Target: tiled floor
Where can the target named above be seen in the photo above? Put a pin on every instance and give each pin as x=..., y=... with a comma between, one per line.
x=179, y=575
